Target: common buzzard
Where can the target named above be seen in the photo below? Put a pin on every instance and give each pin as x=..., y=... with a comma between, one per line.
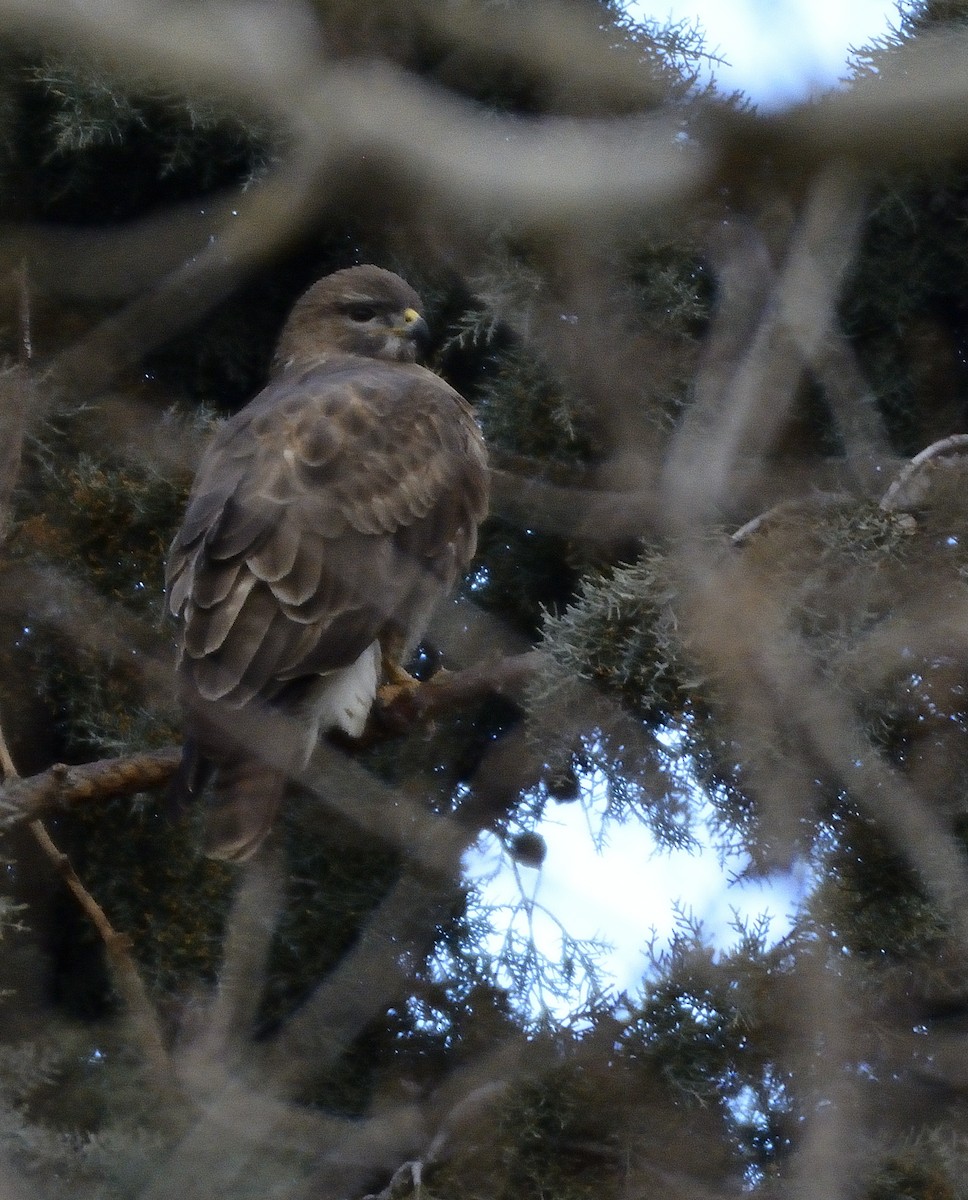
x=325, y=521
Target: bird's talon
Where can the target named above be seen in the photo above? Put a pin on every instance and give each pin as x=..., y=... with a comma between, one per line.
x=397, y=677
x=390, y=694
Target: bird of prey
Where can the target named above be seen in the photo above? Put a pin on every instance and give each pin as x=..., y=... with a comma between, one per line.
x=326, y=520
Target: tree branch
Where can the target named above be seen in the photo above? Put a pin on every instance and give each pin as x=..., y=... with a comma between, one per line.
x=400, y=708
x=140, y=1011
x=61, y=786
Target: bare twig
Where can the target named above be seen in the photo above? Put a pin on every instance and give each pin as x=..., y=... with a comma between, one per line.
x=6, y=762
x=465, y=1120
x=745, y=532
x=140, y=1011
x=26, y=336
x=234, y=1146
x=911, y=483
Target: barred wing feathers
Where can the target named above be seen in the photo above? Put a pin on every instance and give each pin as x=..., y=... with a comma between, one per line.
x=332, y=511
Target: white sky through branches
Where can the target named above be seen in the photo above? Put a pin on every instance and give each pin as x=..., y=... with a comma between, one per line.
x=778, y=51
x=624, y=893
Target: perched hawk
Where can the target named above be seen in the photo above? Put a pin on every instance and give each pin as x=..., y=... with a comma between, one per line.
x=326, y=519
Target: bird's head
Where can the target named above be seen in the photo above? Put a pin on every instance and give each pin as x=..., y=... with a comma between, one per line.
x=361, y=310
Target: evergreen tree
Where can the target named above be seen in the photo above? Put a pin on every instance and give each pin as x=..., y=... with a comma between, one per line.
x=708, y=558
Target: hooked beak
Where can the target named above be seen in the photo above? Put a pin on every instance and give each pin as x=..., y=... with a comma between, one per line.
x=415, y=329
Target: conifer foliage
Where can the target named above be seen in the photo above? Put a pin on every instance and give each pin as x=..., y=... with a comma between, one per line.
x=719, y=360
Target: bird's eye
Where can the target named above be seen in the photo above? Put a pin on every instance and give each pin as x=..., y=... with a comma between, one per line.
x=361, y=312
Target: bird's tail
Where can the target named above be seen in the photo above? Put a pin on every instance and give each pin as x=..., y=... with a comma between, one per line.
x=241, y=803
x=242, y=808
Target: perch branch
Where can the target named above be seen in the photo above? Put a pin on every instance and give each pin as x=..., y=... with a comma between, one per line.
x=61, y=786
x=507, y=677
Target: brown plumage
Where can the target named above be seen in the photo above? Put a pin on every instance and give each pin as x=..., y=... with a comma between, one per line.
x=326, y=520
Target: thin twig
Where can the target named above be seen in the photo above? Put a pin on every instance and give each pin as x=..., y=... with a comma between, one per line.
x=26, y=338
x=907, y=489
x=6, y=761
x=141, y=1013
x=128, y=982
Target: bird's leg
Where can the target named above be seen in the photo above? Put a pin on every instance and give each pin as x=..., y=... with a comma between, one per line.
x=402, y=697
x=396, y=676
x=397, y=681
